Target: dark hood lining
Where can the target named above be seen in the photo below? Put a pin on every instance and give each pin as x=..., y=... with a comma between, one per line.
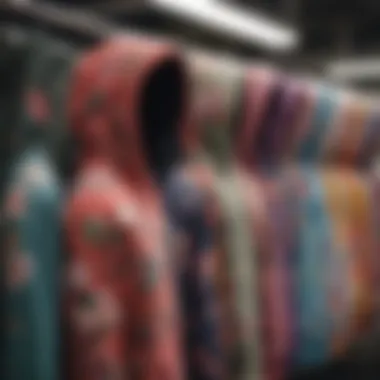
x=161, y=111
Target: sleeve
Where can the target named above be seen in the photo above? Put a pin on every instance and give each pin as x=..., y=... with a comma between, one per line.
x=194, y=249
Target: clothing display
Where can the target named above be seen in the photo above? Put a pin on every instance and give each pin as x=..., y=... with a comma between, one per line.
x=208, y=187
x=324, y=287
x=122, y=311
x=32, y=213
x=168, y=214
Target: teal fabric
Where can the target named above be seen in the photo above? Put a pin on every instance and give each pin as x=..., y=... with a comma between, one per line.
x=321, y=120
x=14, y=52
x=33, y=306
x=33, y=212
x=314, y=262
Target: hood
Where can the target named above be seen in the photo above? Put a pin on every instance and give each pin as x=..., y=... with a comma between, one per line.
x=127, y=103
x=350, y=128
x=279, y=123
x=215, y=105
x=370, y=145
x=320, y=118
x=259, y=84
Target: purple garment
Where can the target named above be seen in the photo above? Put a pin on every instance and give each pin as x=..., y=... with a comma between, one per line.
x=371, y=141
x=271, y=119
x=295, y=100
x=278, y=125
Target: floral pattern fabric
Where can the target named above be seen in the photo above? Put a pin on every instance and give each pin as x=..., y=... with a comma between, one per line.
x=194, y=232
x=215, y=177
x=121, y=310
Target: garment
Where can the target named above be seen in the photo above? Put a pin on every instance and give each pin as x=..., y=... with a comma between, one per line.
x=258, y=87
x=214, y=190
x=347, y=197
x=264, y=137
x=32, y=213
x=353, y=116
x=362, y=245
x=13, y=60
x=365, y=352
x=314, y=259
x=374, y=187
x=279, y=125
x=274, y=233
x=193, y=234
x=269, y=191
x=284, y=132
x=370, y=142
x=313, y=139
x=122, y=311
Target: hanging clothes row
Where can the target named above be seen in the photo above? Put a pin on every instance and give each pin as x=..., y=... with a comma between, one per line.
x=172, y=215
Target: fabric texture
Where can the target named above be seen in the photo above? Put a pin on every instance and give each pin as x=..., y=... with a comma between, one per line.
x=121, y=309
x=217, y=182
x=275, y=217
x=32, y=213
x=310, y=153
x=13, y=59
x=222, y=223
x=351, y=215
x=314, y=251
x=325, y=104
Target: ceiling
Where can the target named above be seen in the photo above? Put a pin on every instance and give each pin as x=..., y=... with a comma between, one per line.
x=329, y=29
x=328, y=26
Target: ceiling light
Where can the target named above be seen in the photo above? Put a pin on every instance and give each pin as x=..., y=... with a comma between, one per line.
x=232, y=20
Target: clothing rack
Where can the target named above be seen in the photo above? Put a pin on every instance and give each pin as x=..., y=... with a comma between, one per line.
x=89, y=27
x=57, y=17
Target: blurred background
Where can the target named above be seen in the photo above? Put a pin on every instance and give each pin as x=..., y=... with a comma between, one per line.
x=322, y=38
